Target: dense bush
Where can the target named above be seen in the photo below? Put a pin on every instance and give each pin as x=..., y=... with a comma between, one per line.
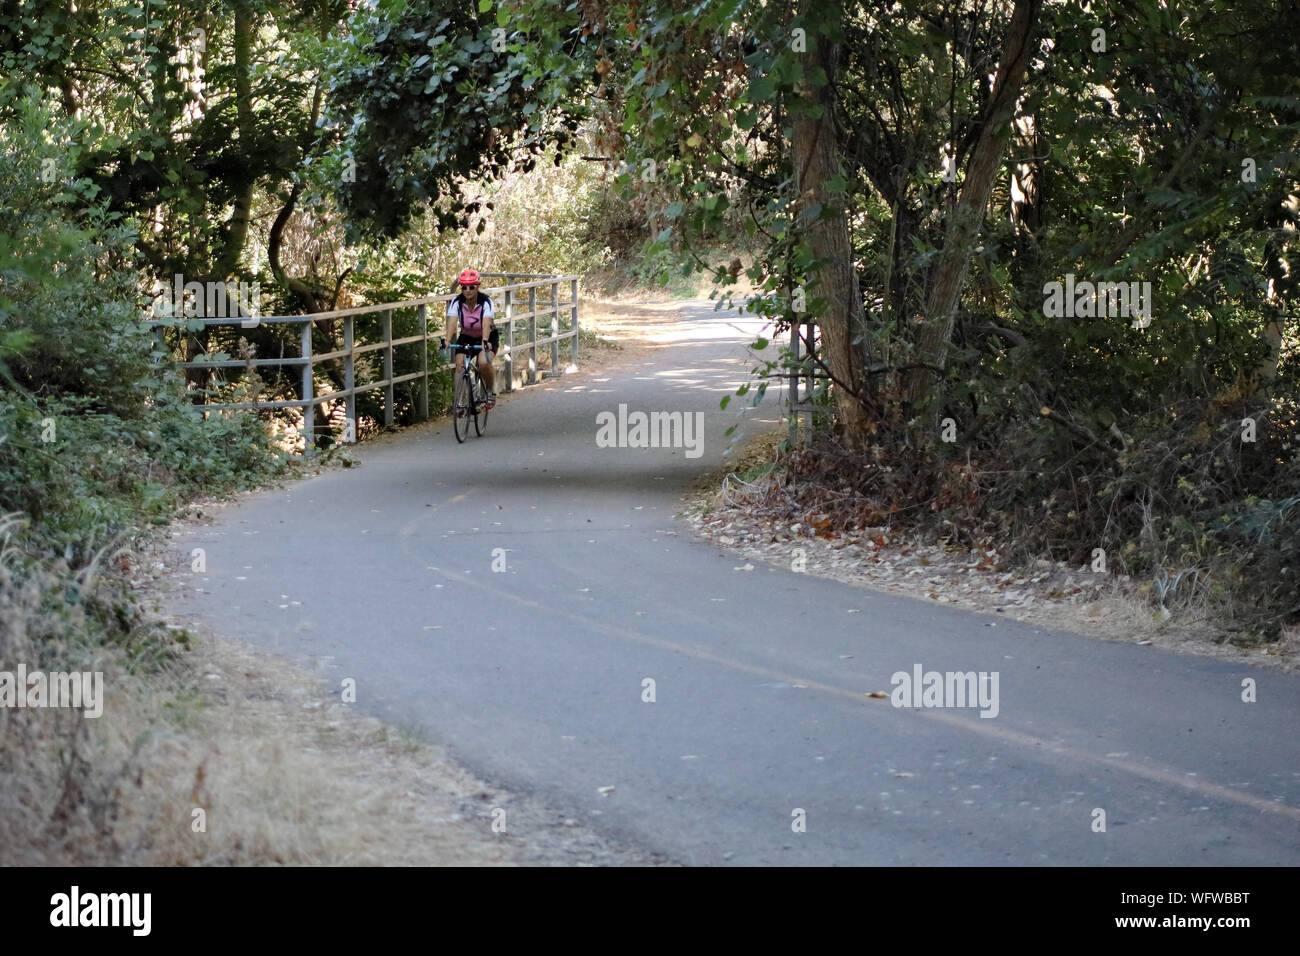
x=94, y=439
x=65, y=294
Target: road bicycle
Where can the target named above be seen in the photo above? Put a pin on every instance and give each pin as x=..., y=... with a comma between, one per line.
x=468, y=395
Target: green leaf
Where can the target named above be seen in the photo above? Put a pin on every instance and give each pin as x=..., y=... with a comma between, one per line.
x=484, y=6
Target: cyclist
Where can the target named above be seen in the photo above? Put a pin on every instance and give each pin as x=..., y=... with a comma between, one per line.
x=472, y=312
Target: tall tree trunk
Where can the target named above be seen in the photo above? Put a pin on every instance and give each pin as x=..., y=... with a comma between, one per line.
x=964, y=224
x=237, y=231
x=816, y=159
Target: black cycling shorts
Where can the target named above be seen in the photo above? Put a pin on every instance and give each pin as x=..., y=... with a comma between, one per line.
x=493, y=339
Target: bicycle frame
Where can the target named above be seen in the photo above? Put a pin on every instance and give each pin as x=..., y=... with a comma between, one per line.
x=473, y=409
x=471, y=364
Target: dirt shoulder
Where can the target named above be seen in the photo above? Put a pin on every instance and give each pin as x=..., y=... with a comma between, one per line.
x=726, y=511
x=285, y=772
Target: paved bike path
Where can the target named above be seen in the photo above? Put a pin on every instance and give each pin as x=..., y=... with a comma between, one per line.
x=534, y=677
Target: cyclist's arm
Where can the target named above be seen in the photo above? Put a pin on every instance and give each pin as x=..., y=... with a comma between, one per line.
x=489, y=324
x=451, y=324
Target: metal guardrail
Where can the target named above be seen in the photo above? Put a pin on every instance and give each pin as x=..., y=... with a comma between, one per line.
x=506, y=299
x=801, y=408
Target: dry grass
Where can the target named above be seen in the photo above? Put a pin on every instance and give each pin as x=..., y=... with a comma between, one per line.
x=58, y=772
x=288, y=774
x=283, y=772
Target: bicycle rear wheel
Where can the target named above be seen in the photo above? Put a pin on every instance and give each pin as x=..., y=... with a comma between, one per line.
x=460, y=407
x=480, y=406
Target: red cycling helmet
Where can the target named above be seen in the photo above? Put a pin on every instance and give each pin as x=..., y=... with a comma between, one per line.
x=468, y=277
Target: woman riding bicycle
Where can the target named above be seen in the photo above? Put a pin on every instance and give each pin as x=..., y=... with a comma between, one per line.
x=473, y=313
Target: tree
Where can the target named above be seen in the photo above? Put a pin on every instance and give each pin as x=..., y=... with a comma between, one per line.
x=966, y=218
x=821, y=188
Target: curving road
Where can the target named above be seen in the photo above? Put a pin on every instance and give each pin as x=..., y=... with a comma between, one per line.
x=533, y=676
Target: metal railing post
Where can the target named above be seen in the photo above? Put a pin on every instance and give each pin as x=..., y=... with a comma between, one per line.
x=350, y=378
x=555, y=328
x=422, y=408
x=532, y=335
x=510, y=340
x=793, y=395
x=809, y=384
x=308, y=407
x=573, y=323
x=388, y=366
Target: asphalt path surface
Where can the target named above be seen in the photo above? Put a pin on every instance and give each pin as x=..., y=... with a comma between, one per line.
x=761, y=745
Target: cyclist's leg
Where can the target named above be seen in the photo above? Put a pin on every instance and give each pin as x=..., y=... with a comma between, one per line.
x=485, y=369
x=460, y=368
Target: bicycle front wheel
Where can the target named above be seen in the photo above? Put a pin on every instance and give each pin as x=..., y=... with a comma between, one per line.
x=480, y=406
x=460, y=407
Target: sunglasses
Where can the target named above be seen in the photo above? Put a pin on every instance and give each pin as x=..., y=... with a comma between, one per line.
x=469, y=287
